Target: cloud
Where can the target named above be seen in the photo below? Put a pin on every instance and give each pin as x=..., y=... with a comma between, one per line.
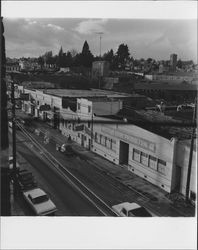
x=30, y=22
x=90, y=26
x=54, y=27
x=145, y=38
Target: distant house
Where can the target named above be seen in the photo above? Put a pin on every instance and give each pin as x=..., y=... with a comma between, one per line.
x=65, y=70
x=12, y=67
x=175, y=78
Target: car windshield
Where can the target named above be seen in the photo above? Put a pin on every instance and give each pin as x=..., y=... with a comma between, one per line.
x=140, y=212
x=40, y=199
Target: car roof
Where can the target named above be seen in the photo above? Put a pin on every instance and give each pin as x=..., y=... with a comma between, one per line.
x=36, y=192
x=127, y=205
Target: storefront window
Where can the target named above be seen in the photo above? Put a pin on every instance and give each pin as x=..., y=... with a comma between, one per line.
x=103, y=140
x=136, y=155
x=89, y=109
x=144, y=159
x=161, y=166
x=152, y=162
x=108, y=143
x=114, y=145
x=100, y=139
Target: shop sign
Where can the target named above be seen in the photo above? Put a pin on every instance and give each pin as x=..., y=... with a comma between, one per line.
x=45, y=108
x=24, y=97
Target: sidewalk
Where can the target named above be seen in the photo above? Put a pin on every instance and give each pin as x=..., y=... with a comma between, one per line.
x=123, y=175
x=16, y=209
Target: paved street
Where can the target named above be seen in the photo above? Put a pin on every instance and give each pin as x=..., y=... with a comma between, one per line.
x=67, y=199
x=91, y=172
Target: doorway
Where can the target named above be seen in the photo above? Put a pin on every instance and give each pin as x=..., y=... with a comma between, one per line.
x=124, y=153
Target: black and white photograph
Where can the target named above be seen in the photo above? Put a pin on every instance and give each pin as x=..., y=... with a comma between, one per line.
x=99, y=124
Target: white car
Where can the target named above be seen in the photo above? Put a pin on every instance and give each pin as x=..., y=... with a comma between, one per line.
x=127, y=209
x=40, y=202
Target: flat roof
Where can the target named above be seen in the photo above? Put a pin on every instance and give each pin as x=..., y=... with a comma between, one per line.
x=179, y=73
x=78, y=93
x=157, y=123
x=166, y=86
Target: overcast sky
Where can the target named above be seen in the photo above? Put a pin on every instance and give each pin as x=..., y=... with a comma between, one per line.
x=145, y=38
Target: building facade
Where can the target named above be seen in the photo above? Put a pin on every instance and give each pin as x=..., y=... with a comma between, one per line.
x=182, y=161
x=176, y=78
x=12, y=67
x=100, y=69
x=146, y=154
x=173, y=62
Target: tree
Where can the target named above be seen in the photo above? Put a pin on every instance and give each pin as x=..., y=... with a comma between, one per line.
x=179, y=63
x=86, y=56
x=60, y=58
x=149, y=60
x=41, y=61
x=109, y=56
x=73, y=52
x=66, y=60
x=122, y=55
x=48, y=57
x=60, y=53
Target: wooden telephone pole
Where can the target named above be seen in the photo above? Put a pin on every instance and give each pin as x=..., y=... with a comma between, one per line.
x=13, y=134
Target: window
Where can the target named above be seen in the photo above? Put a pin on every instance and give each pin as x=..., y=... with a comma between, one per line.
x=100, y=141
x=113, y=145
x=161, y=166
x=40, y=199
x=124, y=211
x=103, y=140
x=89, y=124
x=108, y=143
x=152, y=162
x=144, y=159
x=96, y=137
x=136, y=155
x=89, y=109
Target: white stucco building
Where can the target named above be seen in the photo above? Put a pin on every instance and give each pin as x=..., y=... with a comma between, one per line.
x=161, y=160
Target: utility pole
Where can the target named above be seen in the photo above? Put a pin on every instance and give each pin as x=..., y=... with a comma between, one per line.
x=100, y=70
x=5, y=205
x=92, y=128
x=191, y=153
x=13, y=133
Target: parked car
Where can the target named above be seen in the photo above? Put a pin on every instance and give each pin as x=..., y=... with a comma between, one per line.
x=25, y=180
x=127, y=209
x=11, y=163
x=40, y=202
x=66, y=149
